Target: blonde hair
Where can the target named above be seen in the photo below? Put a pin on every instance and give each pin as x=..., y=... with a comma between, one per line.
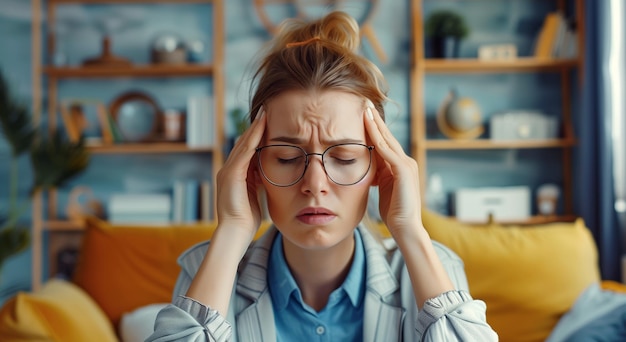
x=317, y=55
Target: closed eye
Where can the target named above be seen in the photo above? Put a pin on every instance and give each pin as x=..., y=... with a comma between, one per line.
x=341, y=161
x=289, y=161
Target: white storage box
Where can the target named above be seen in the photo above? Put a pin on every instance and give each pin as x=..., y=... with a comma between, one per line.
x=523, y=125
x=504, y=204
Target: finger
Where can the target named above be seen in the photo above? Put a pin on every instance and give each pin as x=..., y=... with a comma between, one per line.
x=381, y=144
x=245, y=147
x=393, y=143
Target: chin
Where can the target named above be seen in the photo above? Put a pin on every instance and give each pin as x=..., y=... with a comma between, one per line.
x=314, y=237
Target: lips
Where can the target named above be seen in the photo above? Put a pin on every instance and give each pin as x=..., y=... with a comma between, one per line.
x=315, y=216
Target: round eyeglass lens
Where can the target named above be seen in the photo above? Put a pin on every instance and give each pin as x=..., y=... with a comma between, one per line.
x=282, y=165
x=347, y=164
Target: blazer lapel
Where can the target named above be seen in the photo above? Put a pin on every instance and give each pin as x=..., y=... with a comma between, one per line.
x=382, y=320
x=255, y=322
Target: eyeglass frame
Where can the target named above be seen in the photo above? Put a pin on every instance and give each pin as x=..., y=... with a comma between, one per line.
x=306, y=162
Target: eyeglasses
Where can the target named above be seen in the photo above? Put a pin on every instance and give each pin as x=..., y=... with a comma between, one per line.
x=285, y=165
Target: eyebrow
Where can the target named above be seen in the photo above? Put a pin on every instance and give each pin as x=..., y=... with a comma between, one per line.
x=300, y=141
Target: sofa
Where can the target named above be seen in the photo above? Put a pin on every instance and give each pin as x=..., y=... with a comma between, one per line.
x=530, y=277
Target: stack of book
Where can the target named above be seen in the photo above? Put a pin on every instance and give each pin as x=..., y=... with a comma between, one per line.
x=192, y=201
x=557, y=38
x=139, y=208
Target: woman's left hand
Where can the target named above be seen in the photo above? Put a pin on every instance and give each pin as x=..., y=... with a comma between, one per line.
x=397, y=176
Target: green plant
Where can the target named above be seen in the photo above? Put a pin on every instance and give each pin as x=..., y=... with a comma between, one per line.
x=53, y=159
x=445, y=23
x=240, y=121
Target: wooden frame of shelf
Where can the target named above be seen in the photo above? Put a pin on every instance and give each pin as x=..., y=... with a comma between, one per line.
x=47, y=207
x=533, y=220
x=145, y=70
x=521, y=64
x=482, y=144
x=129, y=148
x=420, y=66
x=58, y=2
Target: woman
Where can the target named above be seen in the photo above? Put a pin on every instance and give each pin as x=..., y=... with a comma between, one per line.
x=316, y=144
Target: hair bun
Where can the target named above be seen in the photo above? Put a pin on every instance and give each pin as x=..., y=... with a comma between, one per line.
x=336, y=27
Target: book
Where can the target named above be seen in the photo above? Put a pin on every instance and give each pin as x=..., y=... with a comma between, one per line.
x=544, y=45
x=192, y=200
x=72, y=129
x=200, y=121
x=105, y=125
x=178, y=199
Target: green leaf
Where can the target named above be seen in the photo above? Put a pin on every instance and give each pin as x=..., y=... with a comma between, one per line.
x=15, y=121
x=13, y=240
x=56, y=160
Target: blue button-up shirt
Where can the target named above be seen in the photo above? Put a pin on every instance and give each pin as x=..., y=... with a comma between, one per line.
x=342, y=317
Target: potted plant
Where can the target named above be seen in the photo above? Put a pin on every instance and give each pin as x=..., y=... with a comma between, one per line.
x=445, y=29
x=53, y=159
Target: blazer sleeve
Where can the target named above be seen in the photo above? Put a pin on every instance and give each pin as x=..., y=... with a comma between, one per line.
x=454, y=315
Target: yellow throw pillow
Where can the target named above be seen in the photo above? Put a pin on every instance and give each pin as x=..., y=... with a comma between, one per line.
x=528, y=276
x=59, y=312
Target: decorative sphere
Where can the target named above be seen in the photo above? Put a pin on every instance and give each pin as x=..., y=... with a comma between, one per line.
x=463, y=114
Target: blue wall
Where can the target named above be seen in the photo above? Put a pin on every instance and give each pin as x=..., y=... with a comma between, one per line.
x=491, y=22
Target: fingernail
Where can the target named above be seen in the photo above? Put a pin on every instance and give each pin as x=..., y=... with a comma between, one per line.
x=368, y=111
x=259, y=113
x=369, y=103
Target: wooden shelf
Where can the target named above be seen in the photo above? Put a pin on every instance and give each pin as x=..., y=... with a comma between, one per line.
x=72, y=226
x=53, y=2
x=522, y=64
x=63, y=226
x=129, y=148
x=146, y=70
x=534, y=220
x=444, y=144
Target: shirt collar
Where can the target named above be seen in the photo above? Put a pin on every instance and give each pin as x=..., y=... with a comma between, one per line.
x=282, y=284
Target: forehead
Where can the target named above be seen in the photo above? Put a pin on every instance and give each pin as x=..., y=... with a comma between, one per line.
x=328, y=115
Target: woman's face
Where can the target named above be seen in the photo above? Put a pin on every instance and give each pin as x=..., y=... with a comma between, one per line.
x=315, y=212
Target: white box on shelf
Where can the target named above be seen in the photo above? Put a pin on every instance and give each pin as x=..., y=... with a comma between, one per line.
x=475, y=205
x=497, y=52
x=523, y=125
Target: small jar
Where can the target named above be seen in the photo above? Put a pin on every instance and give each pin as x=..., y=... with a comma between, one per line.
x=173, y=125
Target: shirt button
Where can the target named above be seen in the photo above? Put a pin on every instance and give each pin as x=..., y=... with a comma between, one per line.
x=320, y=330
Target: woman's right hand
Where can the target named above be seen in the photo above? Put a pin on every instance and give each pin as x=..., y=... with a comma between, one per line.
x=238, y=181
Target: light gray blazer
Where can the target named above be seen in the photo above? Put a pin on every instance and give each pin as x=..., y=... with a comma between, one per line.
x=391, y=312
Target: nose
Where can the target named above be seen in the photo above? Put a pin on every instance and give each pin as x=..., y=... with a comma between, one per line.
x=315, y=179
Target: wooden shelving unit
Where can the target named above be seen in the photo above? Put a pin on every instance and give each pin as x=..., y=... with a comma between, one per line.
x=421, y=66
x=44, y=217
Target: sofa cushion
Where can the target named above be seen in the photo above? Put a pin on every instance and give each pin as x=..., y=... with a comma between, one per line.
x=59, y=312
x=126, y=267
x=529, y=276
